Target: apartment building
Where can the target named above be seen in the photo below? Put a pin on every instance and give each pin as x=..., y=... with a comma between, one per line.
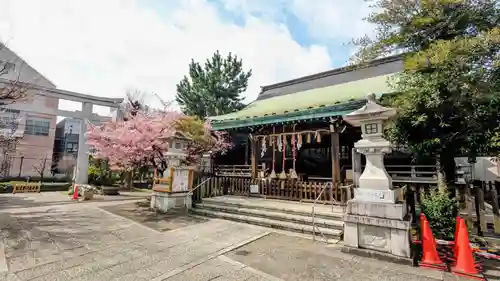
x=35, y=131
x=66, y=143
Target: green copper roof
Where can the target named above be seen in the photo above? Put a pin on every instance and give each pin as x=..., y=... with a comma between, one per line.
x=308, y=104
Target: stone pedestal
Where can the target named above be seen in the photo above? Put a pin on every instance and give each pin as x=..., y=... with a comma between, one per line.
x=88, y=194
x=374, y=220
x=377, y=196
x=165, y=201
x=172, y=190
x=383, y=227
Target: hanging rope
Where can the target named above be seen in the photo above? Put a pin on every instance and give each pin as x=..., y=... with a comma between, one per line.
x=283, y=172
x=273, y=140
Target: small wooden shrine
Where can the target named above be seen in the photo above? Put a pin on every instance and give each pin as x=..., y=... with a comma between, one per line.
x=293, y=134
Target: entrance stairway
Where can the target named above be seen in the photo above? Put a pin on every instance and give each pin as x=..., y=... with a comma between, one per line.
x=277, y=214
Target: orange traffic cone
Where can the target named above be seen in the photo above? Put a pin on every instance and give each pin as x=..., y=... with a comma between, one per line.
x=430, y=257
x=465, y=264
x=75, y=192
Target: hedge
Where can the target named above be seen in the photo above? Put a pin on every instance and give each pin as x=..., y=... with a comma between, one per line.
x=36, y=179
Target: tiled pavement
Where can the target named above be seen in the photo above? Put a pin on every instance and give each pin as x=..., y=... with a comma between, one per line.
x=84, y=242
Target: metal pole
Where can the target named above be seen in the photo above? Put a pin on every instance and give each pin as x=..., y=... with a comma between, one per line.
x=21, y=166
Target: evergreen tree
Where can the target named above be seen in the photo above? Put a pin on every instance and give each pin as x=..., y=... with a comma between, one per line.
x=449, y=91
x=213, y=89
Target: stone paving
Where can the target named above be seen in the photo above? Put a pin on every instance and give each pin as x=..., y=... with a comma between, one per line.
x=85, y=242
x=140, y=212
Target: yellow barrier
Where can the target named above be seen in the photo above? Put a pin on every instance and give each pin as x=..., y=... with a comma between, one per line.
x=162, y=184
x=26, y=187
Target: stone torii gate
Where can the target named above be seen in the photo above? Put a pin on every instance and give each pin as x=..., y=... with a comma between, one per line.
x=86, y=115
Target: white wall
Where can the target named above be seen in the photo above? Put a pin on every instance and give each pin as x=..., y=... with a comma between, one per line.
x=22, y=71
x=485, y=168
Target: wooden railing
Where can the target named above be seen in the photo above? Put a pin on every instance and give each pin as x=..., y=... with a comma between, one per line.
x=221, y=185
x=401, y=174
x=426, y=174
x=244, y=171
x=294, y=190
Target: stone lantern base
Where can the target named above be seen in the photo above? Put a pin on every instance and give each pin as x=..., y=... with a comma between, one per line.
x=379, y=227
x=165, y=201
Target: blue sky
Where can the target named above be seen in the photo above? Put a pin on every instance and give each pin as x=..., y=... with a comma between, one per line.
x=339, y=49
x=108, y=47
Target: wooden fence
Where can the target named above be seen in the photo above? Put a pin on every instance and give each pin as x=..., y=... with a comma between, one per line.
x=294, y=190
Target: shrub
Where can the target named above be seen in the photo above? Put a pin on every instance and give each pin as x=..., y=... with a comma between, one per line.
x=441, y=210
x=35, y=179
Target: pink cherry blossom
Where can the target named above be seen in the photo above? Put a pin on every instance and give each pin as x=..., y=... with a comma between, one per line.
x=143, y=140
x=138, y=141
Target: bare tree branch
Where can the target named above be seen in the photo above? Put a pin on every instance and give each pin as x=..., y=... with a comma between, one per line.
x=40, y=167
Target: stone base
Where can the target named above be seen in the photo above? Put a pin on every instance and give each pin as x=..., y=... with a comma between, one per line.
x=378, y=255
x=88, y=194
x=375, y=195
x=164, y=201
x=381, y=227
x=374, y=209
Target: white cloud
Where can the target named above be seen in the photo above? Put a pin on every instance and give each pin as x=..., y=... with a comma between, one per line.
x=334, y=18
x=104, y=47
x=325, y=19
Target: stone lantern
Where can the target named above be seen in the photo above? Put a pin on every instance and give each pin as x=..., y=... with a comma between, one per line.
x=374, y=183
x=375, y=220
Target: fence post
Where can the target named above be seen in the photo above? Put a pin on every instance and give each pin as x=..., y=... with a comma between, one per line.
x=21, y=165
x=496, y=212
x=477, y=203
x=482, y=209
x=468, y=207
x=411, y=199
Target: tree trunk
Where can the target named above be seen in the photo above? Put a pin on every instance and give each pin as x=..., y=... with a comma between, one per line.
x=128, y=179
x=447, y=166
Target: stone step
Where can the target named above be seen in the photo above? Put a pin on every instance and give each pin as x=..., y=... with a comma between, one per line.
x=295, y=208
x=266, y=222
x=333, y=223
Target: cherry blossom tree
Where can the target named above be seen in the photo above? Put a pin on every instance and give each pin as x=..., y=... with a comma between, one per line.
x=138, y=141
x=142, y=139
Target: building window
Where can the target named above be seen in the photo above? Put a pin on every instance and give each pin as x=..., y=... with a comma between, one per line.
x=72, y=147
x=37, y=127
x=371, y=128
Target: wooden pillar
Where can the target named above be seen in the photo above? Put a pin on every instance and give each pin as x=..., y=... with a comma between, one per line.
x=334, y=136
x=253, y=158
x=247, y=149
x=357, y=166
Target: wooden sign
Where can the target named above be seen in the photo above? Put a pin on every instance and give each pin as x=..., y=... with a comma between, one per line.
x=26, y=187
x=182, y=179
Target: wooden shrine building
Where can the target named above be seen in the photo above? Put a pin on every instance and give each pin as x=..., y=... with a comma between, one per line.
x=292, y=139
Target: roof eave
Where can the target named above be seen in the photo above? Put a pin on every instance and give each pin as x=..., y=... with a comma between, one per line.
x=298, y=115
x=332, y=72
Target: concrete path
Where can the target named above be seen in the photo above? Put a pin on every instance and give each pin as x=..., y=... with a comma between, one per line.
x=59, y=241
